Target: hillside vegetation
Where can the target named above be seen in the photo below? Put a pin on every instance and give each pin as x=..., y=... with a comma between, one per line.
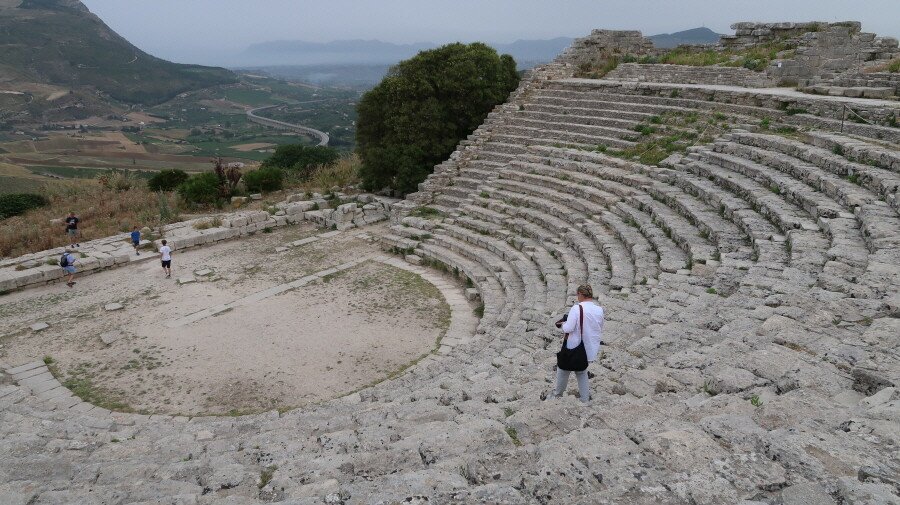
x=59, y=42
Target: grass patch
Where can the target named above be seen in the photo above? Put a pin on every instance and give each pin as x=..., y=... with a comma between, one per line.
x=514, y=436
x=265, y=476
x=426, y=213
x=80, y=383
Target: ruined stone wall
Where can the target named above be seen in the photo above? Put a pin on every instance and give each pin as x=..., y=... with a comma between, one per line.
x=748, y=34
x=823, y=52
x=595, y=49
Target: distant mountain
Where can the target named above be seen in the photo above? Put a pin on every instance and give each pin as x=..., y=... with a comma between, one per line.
x=338, y=52
x=376, y=52
x=692, y=36
x=55, y=45
x=534, y=51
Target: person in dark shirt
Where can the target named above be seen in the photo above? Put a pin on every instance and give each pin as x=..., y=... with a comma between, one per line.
x=72, y=229
x=136, y=240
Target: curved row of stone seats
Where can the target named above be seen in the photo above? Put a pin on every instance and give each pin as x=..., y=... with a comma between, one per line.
x=846, y=125
x=871, y=223
x=576, y=210
x=689, y=74
x=830, y=216
x=701, y=220
x=622, y=124
x=535, y=295
x=671, y=257
x=803, y=236
x=414, y=236
x=590, y=264
x=580, y=199
x=564, y=136
x=506, y=275
x=533, y=224
x=550, y=221
x=767, y=241
x=593, y=94
x=856, y=149
x=549, y=259
x=602, y=171
x=856, y=167
x=849, y=220
x=551, y=274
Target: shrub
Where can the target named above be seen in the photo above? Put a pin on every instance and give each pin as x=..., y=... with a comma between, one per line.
x=416, y=116
x=18, y=203
x=166, y=180
x=200, y=189
x=303, y=160
x=264, y=179
x=118, y=180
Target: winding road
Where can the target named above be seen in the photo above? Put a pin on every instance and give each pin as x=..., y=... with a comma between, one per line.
x=274, y=123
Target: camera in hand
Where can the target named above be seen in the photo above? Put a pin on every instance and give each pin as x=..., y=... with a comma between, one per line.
x=562, y=320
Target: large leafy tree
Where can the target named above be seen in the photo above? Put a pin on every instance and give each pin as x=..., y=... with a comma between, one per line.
x=424, y=106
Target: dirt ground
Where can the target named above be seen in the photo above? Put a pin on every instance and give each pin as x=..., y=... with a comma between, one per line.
x=319, y=341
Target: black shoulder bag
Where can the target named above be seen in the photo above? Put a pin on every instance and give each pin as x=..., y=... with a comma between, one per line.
x=573, y=360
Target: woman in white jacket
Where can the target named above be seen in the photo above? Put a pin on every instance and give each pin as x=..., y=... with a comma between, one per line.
x=593, y=338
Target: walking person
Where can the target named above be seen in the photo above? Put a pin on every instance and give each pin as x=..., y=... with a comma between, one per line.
x=165, y=255
x=582, y=325
x=136, y=240
x=72, y=229
x=67, y=262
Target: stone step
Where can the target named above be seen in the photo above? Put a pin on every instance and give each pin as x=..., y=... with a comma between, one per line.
x=658, y=98
x=828, y=172
x=549, y=108
x=563, y=137
x=551, y=271
x=576, y=210
x=806, y=241
x=535, y=295
x=626, y=126
x=671, y=257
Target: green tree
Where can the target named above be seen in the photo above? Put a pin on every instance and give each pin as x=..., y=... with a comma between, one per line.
x=424, y=106
x=301, y=159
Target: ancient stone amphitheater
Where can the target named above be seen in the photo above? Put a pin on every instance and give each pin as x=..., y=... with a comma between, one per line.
x=750, y=281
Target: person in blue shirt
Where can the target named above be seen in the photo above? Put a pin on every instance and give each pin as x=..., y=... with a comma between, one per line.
x=67, y=262
x=136, y=240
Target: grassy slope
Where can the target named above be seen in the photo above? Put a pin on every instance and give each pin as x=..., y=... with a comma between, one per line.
x=61, y=42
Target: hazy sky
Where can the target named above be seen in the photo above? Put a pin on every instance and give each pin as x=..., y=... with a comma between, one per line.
x=208, y=31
